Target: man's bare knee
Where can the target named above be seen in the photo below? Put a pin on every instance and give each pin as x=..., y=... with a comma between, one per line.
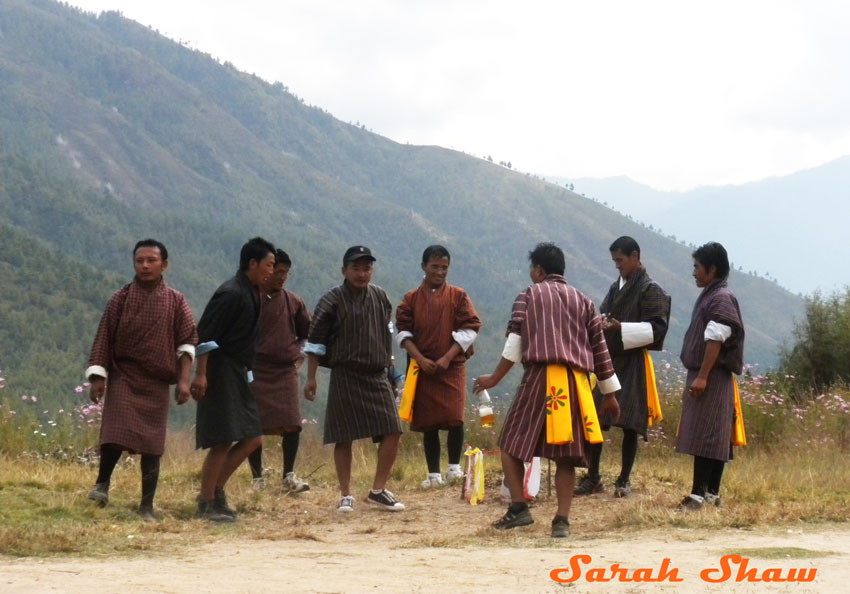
x=252, y=443
x=565, y=464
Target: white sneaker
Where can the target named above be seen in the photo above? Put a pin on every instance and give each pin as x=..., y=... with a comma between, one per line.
x=712, y=500
x=453, y=473
x=258, y=484
x=434, y=480
x=295, y=484
x=346, y=504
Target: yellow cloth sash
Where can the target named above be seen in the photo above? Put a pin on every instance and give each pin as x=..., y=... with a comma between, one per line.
x=405, y=410
x=653, y=405
x=738, y=436
x=474, y=480
x=559, y=418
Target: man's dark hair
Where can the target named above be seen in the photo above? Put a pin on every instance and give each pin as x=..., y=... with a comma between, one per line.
x=435, y=251
x=152, y=243
x=281, y=257
x=549, y=257
x=713, y=254
x=255, y=249
x=625, y=245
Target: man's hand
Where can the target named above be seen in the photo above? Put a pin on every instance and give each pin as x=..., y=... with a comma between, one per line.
x=610, y=407
x=484, y=382
x=427, y=365
x=310, y=389
x=199, y=387
x=697, y=387
x=443, y=363
x=610, y=324
x=183, y=393
x=98, y=387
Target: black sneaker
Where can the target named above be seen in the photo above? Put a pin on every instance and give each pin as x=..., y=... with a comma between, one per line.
x=514, y=519
x=385, y=500
x=208, y=511
x=220, y=503
x=560, y=527
x=622, y=488
x=100, y=494
x=589, y=485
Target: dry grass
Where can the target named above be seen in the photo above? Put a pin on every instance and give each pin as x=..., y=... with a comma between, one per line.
x=780, y=553
x=44, y=510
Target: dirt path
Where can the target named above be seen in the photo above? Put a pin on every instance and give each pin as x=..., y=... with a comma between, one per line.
x=383, y=553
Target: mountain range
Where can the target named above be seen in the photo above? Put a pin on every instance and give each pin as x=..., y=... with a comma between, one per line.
x=785, y=228
x=110, y=132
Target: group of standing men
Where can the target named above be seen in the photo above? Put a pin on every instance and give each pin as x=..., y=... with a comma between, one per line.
x=253, y=335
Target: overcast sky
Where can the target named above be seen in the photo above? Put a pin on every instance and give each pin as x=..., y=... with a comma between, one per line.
x=672, y=94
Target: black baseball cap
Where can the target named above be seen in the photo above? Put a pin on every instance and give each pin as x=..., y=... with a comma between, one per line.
x=357, y=252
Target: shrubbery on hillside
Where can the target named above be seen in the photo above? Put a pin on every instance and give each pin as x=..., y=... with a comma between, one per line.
x=821, y=356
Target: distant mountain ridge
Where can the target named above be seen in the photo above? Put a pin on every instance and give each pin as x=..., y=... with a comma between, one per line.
x=110, y=133
x=785, y=227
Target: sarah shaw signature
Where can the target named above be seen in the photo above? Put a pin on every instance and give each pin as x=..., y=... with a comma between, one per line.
x=664, y=573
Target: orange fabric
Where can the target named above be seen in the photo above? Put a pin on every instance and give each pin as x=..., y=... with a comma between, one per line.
x=559, y=417
x=558, y=410
x=739, y=438
x=653, y=404
x=405, y=410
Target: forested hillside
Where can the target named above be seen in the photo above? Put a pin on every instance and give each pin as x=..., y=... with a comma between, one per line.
x=49, y=304
x=110, y=132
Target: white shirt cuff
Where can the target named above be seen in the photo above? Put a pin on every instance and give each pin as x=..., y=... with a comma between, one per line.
x=610, y=385
x=464, y=337
x=312, y=348
x=717, y=331
x=636, y=334
x=96, y=370
x=402, y=336
x=513, y=348
x=206, y=347
x=188, y=349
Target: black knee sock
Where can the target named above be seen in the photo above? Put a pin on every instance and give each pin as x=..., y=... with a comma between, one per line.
x=150, y=478
x=289, y=444
x=594, y=455
x=431, y=445
x=715, y=477
x=516, y=507
x=702, y=475
x=255, y=461
x=109, y=456
x=454, y=444
x=630, y=446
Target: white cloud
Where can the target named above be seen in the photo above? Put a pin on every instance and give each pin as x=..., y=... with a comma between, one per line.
x=672, y=94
